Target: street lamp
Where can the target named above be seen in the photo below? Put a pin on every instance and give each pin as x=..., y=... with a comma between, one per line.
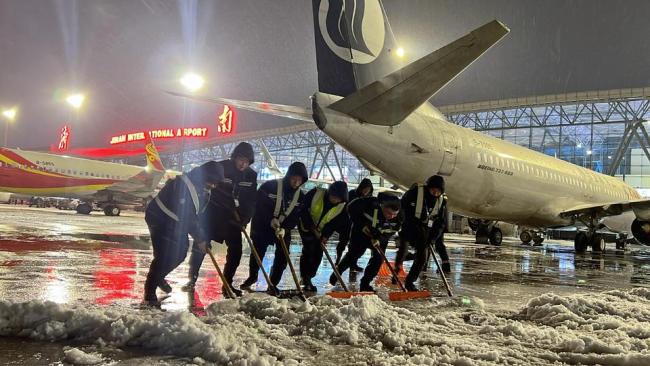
x=76, y=100
x=192, y=81
x=10, y=116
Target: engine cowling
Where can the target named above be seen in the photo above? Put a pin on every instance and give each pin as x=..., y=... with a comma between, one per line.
x=641, y=231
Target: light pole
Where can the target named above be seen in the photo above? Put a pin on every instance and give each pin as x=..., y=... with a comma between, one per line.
x=10, y=116
x=192, y=82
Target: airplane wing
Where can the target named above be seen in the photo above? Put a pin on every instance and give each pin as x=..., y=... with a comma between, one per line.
x=640, y=207
x=280, y=110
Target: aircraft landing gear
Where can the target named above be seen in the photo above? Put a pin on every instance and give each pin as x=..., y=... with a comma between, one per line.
x=528, y=235
x=589, y=239
x=112, y=210
x=84, y=208
x=621, y=242
x=487, y=232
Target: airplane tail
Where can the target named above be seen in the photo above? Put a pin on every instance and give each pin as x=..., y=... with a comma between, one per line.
x=154, y=164
x=354, y=45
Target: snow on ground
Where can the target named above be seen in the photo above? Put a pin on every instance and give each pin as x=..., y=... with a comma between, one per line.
x=76, y=356
x=610, y=328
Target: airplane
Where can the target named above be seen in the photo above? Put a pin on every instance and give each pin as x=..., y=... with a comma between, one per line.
x=379, y=111
x=110, y=185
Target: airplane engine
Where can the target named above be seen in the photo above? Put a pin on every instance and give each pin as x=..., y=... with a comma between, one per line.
x=641, y=231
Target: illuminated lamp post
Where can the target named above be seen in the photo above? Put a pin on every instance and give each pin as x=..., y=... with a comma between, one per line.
x=10, y=116
x=192, y=82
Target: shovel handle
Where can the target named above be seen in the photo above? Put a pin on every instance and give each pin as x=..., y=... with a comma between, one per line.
x=375, y=244
x=285, y=249
x=442, y=274
x=226, y=285
x=336, y=270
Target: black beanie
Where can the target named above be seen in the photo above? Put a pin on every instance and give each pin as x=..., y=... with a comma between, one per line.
x=297, y=169
x=365, y=182
x=389, y=200
x=339, y=189
x=244, y=150
x=210, y=172
x=436, y=181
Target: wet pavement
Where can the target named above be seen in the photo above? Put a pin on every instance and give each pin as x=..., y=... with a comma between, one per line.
x=47, y=254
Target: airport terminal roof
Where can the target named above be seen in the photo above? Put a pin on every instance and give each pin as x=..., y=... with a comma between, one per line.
x=124, y=53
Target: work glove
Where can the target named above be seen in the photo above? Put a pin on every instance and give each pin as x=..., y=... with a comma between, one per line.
x=279, y=232
x=275, y=223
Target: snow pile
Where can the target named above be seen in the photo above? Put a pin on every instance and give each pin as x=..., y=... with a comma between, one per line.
x=76, y=356
x=611, y=328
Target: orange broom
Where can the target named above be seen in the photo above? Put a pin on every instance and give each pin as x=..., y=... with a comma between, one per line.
x=345, y=294
x=403, y=295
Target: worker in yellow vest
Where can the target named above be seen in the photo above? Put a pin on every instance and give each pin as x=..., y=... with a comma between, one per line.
x=323, y=214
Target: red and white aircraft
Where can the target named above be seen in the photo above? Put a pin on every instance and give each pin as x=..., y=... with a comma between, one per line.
x=107, y=184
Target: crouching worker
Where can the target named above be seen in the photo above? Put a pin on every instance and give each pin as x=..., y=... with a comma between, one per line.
x=171, y=216
x=374, y=219
x=364, y=189
x=323, y=214
x=425, y=220
x=277, y=211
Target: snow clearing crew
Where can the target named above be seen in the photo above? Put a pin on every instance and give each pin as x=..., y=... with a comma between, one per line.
x=364, y=189
x=323, y=214
x=374, y=219
x=277, y=211
x=425, y=220
x=231, y=207
x=171, y=216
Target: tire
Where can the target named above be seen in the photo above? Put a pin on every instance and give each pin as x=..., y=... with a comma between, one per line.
x=496, y=236
x=111, y=210
x=538, y=240
x=580, y=243
x=597, y=244
x=84, y=209
x=525, y=237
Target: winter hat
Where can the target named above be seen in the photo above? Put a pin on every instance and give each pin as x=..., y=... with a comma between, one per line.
x=297, y=169
x=365, y=182
x=339, y=189
x=210, y=172
x=244, y=150
x=389, y=200
x=436, y=181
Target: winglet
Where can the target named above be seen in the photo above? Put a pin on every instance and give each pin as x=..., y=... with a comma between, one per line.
x=390, y=100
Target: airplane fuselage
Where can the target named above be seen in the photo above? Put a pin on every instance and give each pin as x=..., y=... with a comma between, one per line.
x=486, y=177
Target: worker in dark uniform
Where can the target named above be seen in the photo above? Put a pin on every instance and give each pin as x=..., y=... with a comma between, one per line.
x=277, y=211
x=171, y=216
x=364, y=189
x=425, y=220
x=322, y=215
x=231, y=207
x=373, y=219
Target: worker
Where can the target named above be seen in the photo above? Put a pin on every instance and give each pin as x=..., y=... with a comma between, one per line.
x=277, y=211
x=171, y=216
x=374, y=219
x=323, y=214
x=364, y=189
x=425, y=220
x=231, y=207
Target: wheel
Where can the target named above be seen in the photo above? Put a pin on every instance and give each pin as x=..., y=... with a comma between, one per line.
x=580, y=244
x=525, y=237
x=84, y=209
x=111, y=210
x=538, y=240
x=496, y=236
x=621, y=244
x=597, y=243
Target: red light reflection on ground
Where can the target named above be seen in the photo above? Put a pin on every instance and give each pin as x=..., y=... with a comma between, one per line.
x=115, y=276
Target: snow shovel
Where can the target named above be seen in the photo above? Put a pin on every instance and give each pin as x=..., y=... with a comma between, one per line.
x=270, y=287
x=285, y=249
x=404, y=294
x=336, y=271
x=442, y=274
x=226, y=285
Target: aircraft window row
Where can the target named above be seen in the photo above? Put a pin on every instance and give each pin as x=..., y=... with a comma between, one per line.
x=64, y=171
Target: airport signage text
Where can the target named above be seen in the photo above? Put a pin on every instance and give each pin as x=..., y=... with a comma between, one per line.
x=165, y=133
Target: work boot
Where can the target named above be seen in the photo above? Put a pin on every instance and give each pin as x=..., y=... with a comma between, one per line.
x=150, y=304
x=308, y=286
x=355, y=267
x=164, y=285
x=410, y=286
x=235, y=291
x=333, y=279
x=248, y=283
x=188, y=286
x=365, y=287
x=446, y=267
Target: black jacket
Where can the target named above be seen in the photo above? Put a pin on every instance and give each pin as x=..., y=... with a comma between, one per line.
x=413, y=223
x=265, y=206
x=361, y=212
x=338, y=224
x=219, y=216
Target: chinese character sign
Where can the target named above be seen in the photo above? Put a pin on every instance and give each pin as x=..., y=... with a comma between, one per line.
x=64, y=138
x=226, y=121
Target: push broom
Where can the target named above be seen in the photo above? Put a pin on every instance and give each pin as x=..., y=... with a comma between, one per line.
x=404, y=294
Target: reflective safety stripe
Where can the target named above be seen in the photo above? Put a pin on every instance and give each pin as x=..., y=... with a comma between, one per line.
x=164, y=209
x=317, y=205
x=279, y=196
x=419, y=201
x=193, y=194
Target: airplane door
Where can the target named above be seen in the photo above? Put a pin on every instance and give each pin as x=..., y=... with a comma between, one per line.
x=450, y=153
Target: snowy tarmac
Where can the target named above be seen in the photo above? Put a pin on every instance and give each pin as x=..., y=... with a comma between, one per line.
x=75, y=280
